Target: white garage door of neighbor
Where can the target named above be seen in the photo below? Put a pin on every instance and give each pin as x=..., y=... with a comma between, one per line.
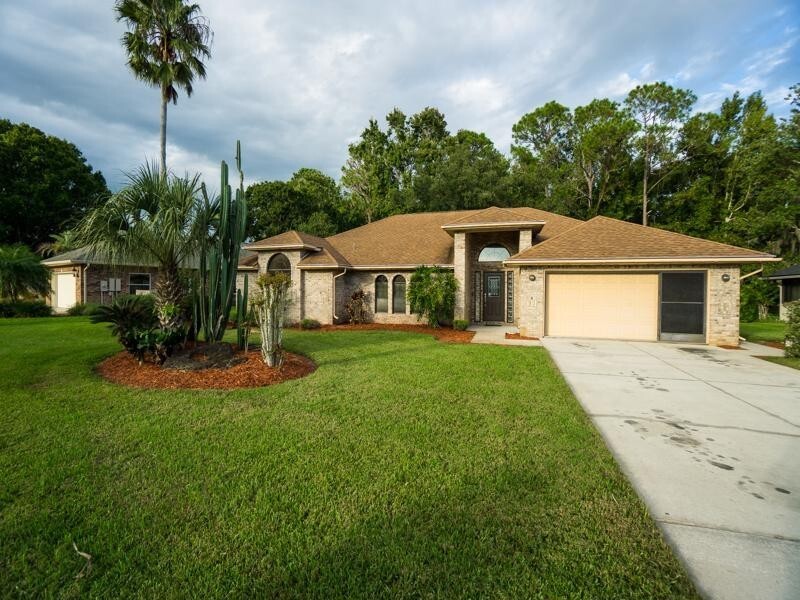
x=65, y=290
x=603, y=305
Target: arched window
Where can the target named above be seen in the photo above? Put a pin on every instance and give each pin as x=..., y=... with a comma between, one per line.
x=381, y=294
x=278, y=263
x=399, y=294
x=493, y=253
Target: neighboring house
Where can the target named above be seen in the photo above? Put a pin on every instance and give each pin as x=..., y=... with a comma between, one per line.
x=79, y=276
x=789, y=285
x=545, y=273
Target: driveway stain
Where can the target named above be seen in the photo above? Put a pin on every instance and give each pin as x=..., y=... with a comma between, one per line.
x=782, y=490
x=720, y=465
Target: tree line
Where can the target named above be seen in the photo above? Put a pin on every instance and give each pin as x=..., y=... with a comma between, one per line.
x=729, y=174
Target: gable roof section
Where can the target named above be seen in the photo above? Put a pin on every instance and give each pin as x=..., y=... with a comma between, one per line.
x=493, y=218
x=288, y=240
x=248, y=261
x=603, y=240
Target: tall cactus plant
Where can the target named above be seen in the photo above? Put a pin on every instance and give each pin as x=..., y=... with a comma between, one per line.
x=218, y=265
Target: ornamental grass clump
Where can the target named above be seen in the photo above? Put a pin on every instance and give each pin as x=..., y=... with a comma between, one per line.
x=269, y=305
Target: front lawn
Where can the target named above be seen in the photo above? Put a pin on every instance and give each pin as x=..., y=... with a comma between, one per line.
x=764, y=331
x=402, y=467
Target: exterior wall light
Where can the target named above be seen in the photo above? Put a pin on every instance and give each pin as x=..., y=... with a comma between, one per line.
x=726, y=277
x=532, y=277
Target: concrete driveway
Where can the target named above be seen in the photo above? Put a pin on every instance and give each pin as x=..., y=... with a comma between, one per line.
x=710, y=438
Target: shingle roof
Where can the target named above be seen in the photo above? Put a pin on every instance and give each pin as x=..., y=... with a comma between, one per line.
x=418, y=238
x=788, y=272
x=492, y=215
x=247, y=260
x=84, y=256
x=603, y=239
x=288, y=239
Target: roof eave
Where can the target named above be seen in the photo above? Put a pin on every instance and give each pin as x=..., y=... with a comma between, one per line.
x=256, y=246
x=740, y=260
x=499, y=226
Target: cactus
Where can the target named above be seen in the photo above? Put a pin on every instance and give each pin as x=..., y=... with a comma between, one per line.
x=242, y=318
x=218, y=267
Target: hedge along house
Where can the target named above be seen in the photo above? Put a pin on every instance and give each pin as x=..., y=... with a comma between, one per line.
x=547, y=274
x=80, y=276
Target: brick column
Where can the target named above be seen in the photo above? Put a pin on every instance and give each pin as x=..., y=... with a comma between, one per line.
x=525, y=239
x=460, y=272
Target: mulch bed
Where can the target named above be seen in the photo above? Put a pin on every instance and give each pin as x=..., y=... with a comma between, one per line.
x=777, y=345
x=519, y=336
x=123, y=368
x=443, y=334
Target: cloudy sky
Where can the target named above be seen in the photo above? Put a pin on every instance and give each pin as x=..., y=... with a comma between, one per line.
x=297, y=81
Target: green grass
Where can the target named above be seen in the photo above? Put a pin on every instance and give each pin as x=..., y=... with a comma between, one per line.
x=786, y=361
x=763, y=331
x=401, y=467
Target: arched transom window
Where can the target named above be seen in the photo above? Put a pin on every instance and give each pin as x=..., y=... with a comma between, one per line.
x=399, y=294
x=381, y=294
x=493, y=253
x=279, y=263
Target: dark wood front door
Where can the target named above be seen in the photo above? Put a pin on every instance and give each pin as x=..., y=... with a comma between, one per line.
x=492, y=296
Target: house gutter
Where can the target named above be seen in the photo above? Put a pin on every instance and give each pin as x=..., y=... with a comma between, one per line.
x=333, y=292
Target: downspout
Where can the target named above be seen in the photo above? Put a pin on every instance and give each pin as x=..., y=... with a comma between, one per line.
x=756, y=272
x=333, y=294
x=742, y=278
x=83, y=281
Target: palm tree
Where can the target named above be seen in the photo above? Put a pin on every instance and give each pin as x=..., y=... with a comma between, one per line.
x=22, y=273
x=155, y=219
x=166, y=43
x=62, y=242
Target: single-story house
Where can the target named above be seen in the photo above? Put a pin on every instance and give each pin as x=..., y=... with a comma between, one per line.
x=547, y=274
x=80, y=276
x=788, y=280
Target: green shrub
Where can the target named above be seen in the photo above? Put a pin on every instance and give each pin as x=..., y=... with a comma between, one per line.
x=432, y=294
x=460, y=324
x=24, y=308
x=792, y=340
x=309, y=324
x=83, y=310
x=357, y=308
x=133, y=321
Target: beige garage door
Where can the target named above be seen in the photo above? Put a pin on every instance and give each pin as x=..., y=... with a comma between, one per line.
x=602, y=305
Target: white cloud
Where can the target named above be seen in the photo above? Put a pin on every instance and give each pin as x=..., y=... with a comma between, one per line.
x=480, y=94
x=618, y=86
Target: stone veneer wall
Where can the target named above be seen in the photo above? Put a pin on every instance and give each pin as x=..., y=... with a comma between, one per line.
x=475, y=242
x=722, y=298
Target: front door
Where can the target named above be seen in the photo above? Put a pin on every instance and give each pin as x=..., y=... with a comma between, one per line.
x=492, y=296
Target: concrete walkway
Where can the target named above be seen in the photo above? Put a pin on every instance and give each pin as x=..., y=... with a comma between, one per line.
x=710, y=438
x=496, y=334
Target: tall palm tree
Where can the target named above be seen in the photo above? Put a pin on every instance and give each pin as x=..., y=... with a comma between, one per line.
x=62, y=242
x=166, y=42
x=156, y=219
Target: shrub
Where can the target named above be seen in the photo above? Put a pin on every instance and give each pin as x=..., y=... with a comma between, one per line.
x=131, y=319
x=757, y=295
x=24, y=308
x=83, y=310
x=432, y=294
x=357, y=308
x=792, y=340
x=309, y=324
x=460, y=324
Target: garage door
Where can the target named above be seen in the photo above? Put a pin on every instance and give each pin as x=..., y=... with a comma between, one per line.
x=601, y=305
x=65, y=290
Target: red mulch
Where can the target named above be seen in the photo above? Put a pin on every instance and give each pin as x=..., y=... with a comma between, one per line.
x=122, y=368
x=777, y=345
x=443, y=334
x=519, y=336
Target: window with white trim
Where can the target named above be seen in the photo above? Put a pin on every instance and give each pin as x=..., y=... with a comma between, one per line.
x=139, y=283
